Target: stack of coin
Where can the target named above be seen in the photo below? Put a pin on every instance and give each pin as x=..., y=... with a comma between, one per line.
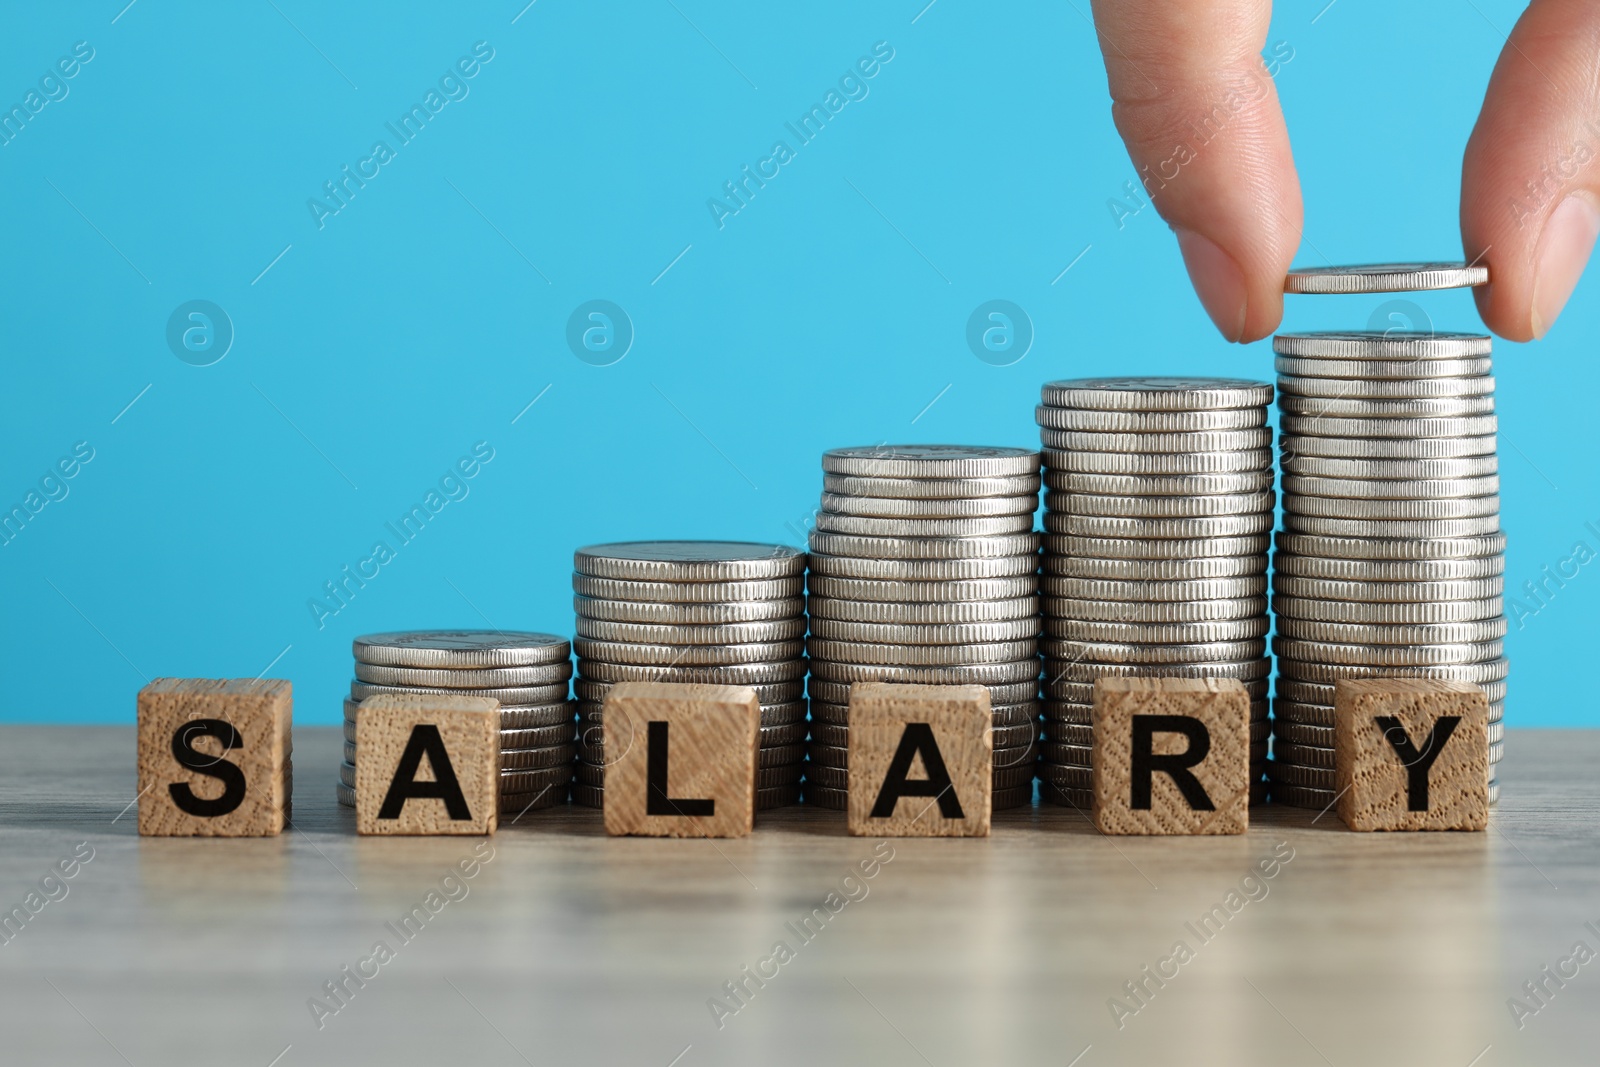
x=721, y=612
x=1158, y=507
x=526, y=672
x=1391, y=560
x=924, y=568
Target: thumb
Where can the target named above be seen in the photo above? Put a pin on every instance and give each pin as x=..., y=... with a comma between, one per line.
x=1530, y=180
x=1197, y=108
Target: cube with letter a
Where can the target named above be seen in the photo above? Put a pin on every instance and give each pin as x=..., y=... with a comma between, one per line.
x=427, y=764
x=214, y=757
x=1411, y=754
x=681, y=759
x=1171, y=756
x=921, y=760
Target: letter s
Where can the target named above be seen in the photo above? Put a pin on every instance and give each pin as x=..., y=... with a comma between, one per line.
x=483, y=51
x=84, y=451
x=883, y=50
x=83, y=50
x=232, y=778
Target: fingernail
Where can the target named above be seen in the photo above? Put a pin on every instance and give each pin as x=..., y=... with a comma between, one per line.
x=1218, y=281
x=1564, y=248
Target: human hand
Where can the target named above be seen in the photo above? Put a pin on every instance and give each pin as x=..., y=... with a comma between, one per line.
x=1190, y=72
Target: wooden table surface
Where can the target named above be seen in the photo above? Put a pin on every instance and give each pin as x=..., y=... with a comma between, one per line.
x=569, y=947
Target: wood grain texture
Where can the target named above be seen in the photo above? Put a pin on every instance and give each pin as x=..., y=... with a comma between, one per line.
x=921, y=760
x=463, y=730
x=236, y=736
x=681, y=759
x=1134, y=795
x=576, y=947
x=1392, y=753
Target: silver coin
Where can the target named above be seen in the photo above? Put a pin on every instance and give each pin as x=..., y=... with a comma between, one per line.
x=1405, y=470
x=1391, y=489
x=854, y=652
x=1242, y=607
x=534, y=781
x=936, y=634
x=1492, y=670
x=1156, y=422
x=1405, y=429
x=528, y=694
x=1385, y=278
x=1083, y=692
x=951, y=674
x=1369, y=549
x=770, y=694
x=1161, y=463
x=1385, y=388
x=1381, y=344
x=866, y=526
x=1382, y=369
x=538, y=737
x=461, y=648
x=1129, y=652
x=527, y=717
x=1388, y=509
x=1080, y=671
x=923, y=570
x=1003, y=714
x=1349, y=611
x=924, y=547
x=712, y=634
x=1293, y=774
x=1398, y=570
x=1344, y=407
x=1120, y=592
x=465, y=677
x=1388, y=448
x=529, y=759
x=924, y=613
x=1387, y=655
x=1368, y=633
x=518, y=804
x=1156, y=393
x=729, y=674
x=931, y=488
x=930, y=461
x=689, y=561
x=1302, y=755
x=1177, y=633
x=1154, y=569
x=926, y=591
x=1217, y=526
x=686, y=592
x=1150, y=443
x=898, y=507
x=1135, y=548
x=1323, y=692
x=1155, y=507
x=1159, y=484
x=662, y=613
x=1066, y=776
x=1422, y=529
x=687, y=655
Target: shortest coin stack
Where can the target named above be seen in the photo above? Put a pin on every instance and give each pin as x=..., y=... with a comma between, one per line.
x=718, y=612
x=526, y=672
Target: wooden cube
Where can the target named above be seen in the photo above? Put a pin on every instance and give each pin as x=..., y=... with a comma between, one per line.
x=214, y=757
x=1411, y=754
x=427, y=764
x=921, y=760
x=1171, y=756
x=681, y=759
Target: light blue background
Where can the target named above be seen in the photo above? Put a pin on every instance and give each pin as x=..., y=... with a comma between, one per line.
x=378, y=349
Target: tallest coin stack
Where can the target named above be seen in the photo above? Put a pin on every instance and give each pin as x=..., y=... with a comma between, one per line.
x=1158, y=506
x=1391, y=560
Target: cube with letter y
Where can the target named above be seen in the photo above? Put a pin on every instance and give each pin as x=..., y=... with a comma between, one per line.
x=428, y=764
x=921, y=760
x=682, y=759
x=214, y=757
x=1411, y=754
x=1171, y=756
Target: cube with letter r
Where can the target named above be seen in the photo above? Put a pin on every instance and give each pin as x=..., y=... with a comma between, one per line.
x=214, y=757
x=427, y=764
x=921, y=760
x=1411, y=754
x=1171, y=756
